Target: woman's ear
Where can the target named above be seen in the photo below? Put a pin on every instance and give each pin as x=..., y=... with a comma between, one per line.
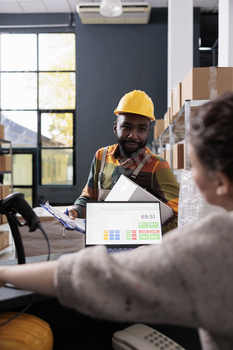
x=223, y=184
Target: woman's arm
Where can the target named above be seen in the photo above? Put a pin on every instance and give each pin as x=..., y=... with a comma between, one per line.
x=36, y=277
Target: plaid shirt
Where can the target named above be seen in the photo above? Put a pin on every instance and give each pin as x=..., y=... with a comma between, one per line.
x=156, y=177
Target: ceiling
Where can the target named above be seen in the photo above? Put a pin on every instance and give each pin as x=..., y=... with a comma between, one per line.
x=208, y=16
x=67, y=6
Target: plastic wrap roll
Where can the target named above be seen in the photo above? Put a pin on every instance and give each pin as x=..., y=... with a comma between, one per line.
x=191, y=204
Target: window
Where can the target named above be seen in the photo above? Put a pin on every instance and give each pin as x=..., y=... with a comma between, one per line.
x=37, y=73
x=57, y=147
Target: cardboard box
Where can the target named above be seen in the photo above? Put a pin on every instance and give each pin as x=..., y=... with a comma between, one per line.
x=167, y=117
x=171, y=99
x=167, y=154
x=178, y=156
x=128, y=191
x=3, y=219
x=176, y=102
x=5, y=163
x=2, y=135
x=4, y=239
x=4, y=191
x=206, y=83
x=158, y=128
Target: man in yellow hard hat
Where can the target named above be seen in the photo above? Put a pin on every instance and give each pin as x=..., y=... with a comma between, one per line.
x=131, y=157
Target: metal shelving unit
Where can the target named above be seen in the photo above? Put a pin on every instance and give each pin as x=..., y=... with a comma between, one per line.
x=3, y=151
x=6, y=149
x=177, y=131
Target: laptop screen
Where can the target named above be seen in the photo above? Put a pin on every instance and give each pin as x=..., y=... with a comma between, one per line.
x=123, y=223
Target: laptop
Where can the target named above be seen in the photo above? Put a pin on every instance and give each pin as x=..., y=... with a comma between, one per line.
x=123, y=225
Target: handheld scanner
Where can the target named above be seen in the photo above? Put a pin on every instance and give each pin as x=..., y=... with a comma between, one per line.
x=15, y=202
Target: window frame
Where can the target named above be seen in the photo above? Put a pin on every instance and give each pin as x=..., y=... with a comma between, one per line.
x=40, y=147
x=38, y=111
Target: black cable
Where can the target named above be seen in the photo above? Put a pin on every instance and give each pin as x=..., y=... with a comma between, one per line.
x=33, y=295
x=46, y=237
x=20, y=312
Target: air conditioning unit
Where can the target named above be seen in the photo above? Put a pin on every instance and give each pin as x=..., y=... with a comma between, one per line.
x=133, y=13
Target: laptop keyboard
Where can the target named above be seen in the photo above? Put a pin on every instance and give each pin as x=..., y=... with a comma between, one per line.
x=116, y=250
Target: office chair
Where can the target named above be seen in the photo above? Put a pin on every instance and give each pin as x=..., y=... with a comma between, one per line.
x=26, y=332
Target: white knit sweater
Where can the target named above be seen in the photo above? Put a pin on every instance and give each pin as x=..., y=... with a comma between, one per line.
x=187, y=280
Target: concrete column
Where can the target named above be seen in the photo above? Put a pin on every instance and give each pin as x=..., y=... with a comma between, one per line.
x=225, y=26
x=180, y=42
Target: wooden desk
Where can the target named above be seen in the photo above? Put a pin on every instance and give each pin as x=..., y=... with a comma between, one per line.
x=35, y=244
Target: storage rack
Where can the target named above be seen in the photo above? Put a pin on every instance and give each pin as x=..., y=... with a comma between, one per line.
x=3, y=151
x=177, y=131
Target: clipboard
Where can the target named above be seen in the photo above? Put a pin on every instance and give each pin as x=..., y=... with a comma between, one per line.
x=77, y=224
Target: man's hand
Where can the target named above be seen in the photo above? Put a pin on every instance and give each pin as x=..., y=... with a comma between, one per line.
x=73, y=214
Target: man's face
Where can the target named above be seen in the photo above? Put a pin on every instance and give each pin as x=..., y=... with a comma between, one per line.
x=132, y=131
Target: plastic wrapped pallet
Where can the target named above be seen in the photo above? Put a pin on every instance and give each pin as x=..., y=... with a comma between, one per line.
x=192, y=207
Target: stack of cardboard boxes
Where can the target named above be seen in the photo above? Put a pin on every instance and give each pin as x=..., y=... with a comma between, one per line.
x=178, y=156
x=203, y=83
x=4, y=239
x=4, y=191
x=160, y=126
x=5, y=160
x=2, y=132
x=5, y=165
x=4, y=234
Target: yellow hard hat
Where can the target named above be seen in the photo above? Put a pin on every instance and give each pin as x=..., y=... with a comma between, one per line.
x=137, y=102
x=25, y=332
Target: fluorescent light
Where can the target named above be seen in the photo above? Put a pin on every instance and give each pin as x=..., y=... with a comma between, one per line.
x=205, y=48
x=111, y=8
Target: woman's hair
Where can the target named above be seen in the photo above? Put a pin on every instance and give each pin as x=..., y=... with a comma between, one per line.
x=211, y=134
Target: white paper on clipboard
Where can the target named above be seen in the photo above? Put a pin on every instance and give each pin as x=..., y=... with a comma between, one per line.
x=77, y=224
